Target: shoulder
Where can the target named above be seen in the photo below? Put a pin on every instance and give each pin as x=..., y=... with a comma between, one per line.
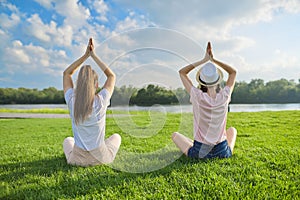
x=103, y=97
x=69, y=91
x=195, y=91
x=226, y=90
x=195, y=94
x=69, y=97
x=104, y=93
x=69, y=94
x=225, y=93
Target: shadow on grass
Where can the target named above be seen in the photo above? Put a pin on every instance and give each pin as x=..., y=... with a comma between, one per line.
x=52, y=178
x=16, y=177
x=44, y=167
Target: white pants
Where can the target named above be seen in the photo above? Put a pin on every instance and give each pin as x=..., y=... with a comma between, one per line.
x=105, y=154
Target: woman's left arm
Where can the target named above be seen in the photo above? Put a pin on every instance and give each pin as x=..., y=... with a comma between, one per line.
x=111, y=77
x=67, y=75
x=231, y=73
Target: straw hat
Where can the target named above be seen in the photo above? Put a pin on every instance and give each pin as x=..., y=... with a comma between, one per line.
x=209, y=75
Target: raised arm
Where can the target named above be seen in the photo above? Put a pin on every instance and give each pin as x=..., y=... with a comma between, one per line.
x=67, y=75
x=231, y=73
x=111, y=78
x=185, y=70
x=230, y=70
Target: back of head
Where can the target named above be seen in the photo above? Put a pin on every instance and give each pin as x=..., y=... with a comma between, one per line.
x=84, y=93
x=204, y=88
x=209, y=75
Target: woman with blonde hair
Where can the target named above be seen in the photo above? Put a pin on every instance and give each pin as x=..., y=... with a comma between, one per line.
x=210, y=107
x=88, y=113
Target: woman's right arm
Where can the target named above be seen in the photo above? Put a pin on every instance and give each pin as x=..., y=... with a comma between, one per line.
x=67, y=75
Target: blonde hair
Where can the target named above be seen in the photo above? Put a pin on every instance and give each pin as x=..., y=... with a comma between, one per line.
x=87, y=82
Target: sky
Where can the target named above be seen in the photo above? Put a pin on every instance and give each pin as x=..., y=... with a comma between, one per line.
x=147, y=42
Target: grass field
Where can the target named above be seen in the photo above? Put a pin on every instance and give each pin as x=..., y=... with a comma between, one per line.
x=46, y=110
x=265, y=165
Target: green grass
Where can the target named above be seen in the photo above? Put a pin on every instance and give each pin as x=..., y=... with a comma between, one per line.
x=265, y=165
x=39, y=110
x=45, y=110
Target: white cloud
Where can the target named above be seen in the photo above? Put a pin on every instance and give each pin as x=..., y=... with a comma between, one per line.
x=8, y=22
x=213, y=21
x=45, y=3
x=120, y=40
x=101, y=8
x=279, y=65
x=76, y=14
x=75, y=20
x=77, y=26
x=172, y=13
x=284, y=59
x=186, y=28
x=132, y=21
x=49, y=33
x=30, y=58
x=38, y=29
x=217, y=22
x=5, y=40
x=2, y=33
x=17, y=54
x=127, y=24
x=292, y=6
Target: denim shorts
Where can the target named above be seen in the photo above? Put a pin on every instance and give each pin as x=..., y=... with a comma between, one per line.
x=200, y=150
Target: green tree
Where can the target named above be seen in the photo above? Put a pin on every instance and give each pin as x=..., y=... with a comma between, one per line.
x=122, y=95
x=154, y=95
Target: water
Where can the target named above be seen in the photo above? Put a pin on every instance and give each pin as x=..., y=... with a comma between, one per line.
x=232, y=107
x=34, y=106
x=170, y=108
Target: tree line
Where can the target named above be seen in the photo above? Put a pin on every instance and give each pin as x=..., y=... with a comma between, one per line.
x=279, y=91
x=31, y=96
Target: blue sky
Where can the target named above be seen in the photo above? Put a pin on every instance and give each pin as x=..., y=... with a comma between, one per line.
x=147, y=41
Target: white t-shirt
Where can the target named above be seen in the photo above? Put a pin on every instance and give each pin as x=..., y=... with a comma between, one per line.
x=90, y=134
x=210, y=115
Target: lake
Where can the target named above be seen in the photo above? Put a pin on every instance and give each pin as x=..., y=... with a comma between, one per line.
x=170, y=108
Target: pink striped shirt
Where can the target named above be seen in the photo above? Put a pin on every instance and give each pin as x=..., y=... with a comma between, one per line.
x=210, y=115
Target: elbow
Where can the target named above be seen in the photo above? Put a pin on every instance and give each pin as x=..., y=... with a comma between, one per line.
x=234, y=71
x=113, y=75
x=65, y=73
x=181, y=72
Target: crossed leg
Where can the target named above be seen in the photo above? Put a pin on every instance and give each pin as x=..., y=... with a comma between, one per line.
x=68, y=146
x=114, y=140
x=182, y=142
x=231, y=134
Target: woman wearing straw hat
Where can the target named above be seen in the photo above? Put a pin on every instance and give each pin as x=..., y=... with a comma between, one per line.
x=88, y=112
x=210, y=107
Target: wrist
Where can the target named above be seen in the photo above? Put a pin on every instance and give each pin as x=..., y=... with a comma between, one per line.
x=93, y=55
x=204, y=60
x=85, y=55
